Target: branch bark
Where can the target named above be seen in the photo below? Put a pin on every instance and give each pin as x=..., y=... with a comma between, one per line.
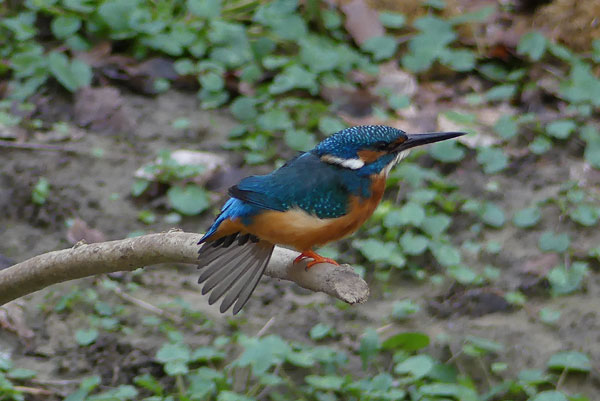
x=172, y=247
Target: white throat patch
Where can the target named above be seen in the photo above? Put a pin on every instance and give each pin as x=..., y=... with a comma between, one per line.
x=396, y=160
x=352, y=164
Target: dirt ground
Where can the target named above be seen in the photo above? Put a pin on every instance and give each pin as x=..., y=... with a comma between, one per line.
x=83, y=185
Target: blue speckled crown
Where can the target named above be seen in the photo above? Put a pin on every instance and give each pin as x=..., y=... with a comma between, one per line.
x=346, y=143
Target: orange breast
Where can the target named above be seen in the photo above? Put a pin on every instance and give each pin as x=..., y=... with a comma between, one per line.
x=303, y=231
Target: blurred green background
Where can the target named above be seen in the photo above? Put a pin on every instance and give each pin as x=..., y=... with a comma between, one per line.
x=124, y=117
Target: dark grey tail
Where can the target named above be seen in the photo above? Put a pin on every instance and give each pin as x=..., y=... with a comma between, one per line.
x=233, y=265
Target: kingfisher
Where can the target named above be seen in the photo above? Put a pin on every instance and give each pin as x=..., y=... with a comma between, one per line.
x=315, y=198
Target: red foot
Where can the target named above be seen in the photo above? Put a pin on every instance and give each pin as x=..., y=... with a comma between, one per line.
x=316, y=258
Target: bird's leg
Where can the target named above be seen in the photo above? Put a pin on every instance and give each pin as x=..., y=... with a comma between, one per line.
x=316, y=258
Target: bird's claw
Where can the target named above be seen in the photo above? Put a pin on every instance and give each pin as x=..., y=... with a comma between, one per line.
x=316, y=259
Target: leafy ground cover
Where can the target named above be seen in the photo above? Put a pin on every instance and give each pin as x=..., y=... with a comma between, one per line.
x=482, y=258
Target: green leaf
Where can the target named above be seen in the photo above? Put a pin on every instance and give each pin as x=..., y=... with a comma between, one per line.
x=549, y=395
x=172, y=352
x=582, y=85
x=41, y=191
x=549, y=315
x=320, y=330
x=300, y=140
x=21, y=374
x=86, y=337
x=540, y=145
x=381, y=47
x=506, y=127
x=553, y=242
x=418, y=366
x=227, y=395
x=244, y=108
x=404, y=309
x=561, y=129
x=411, y=213
x=327, y=383
x=262, y=353
x=369, y=346
x=447, y=151
x=570, y=360
x=410, y=341
x=379, y=251
x=413, y=244
x=492, y=215
x=275, y=120
x=584, y=214
x=204, y=8
x=493, y=160
x=445, y=254
x=532, y=44
x=435, y=225
x=64, y=26
x=72, y=75
x=463, y=274
x=479, y=15
x=501, y=92
x=567, y=280
x=392, y=20
x=527, y=217
x=458, y=60
x=189, y=200
x=294, y=77
x=330, y=125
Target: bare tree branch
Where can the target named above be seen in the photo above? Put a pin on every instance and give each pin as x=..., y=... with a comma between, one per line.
x=172, y=247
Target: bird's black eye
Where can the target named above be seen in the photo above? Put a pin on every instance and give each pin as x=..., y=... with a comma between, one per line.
x=380, y=145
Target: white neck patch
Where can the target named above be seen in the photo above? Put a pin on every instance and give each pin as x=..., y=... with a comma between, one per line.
x=352, y=164
x=396, y=160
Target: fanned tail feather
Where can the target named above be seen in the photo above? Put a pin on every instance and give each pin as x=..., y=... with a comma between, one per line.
x=232, y=267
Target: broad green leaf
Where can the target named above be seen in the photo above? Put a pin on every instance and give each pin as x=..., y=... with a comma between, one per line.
x=493, y=160
x=411, y=213
x=445, y=254
x=71, y=74
x=447, y=151
x=553, y=242
x=582, y=85
x=404, y=309
x=244, y=108
x=418, y=366
x=527, y=217
x=262, y=353
x=204, y=8
x=410, y=341
x=540, y=145
x=565, y=280
x=492, y=215
x=392, y=20
x=561, y=129
x=435, y=225
x=532, y=44
x=549, y=315
x=275, y=120
x=86, y=337
x=584, y=214
x=170, y=352
x=189, y=200
x=381, y=47
x=369, y=346
x=549, y=395
x=501, y=92
x=327, y=383
x=506, y=127
x=294, y=77
x=570, y=360
x=299, y=140
x=227, y=395
x=413, y=244
x=64, y=26
x=41, y=191
x=320, y=331
x=463, y=274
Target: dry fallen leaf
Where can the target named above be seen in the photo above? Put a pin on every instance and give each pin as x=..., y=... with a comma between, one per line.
x=80, y=230
x=361, y=22
x=395, y=80
x=103, y=110
x=13, y=319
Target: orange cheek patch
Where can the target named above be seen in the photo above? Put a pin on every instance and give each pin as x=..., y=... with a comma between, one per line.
x=398, y=142
x=369, y=156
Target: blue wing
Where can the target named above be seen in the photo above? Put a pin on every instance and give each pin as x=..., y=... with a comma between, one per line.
x=306, y=182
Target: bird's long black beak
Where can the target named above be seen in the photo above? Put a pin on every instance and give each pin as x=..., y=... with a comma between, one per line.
x=423, y=139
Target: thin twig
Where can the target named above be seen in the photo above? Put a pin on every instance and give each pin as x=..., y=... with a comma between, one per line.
x=147, y=306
